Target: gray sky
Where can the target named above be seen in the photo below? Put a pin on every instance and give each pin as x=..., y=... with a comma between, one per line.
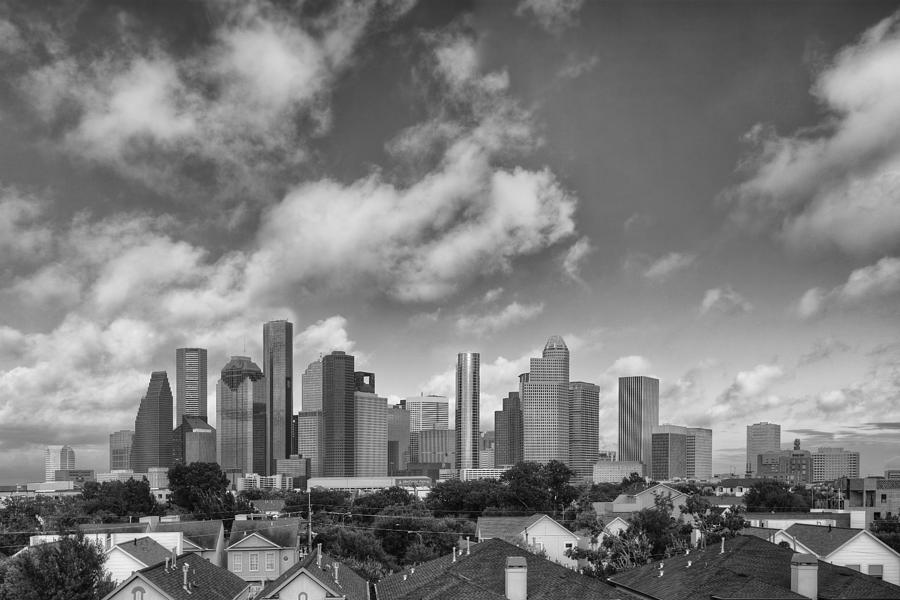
x=705, y=192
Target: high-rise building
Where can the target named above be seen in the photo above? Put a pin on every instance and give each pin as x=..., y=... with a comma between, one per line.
x=788, y=466
x=57, y=458
x=242, y=417
x=545, y=404
x=699, y=453
x=120, y=450
x=425, y=412
x=509, y=433
x=830, y=464
x=397, y=439
x=311, y=382
x=669, y=452
x=311, y=440
x=468, y=395
x=638, y=415
x=190, y=381
x=438, y=446
x=194, y=440
x=584, y=428
x=152, y=442
x=761, y=437
x=338, y=387
x=278, y=366
x=370, y=433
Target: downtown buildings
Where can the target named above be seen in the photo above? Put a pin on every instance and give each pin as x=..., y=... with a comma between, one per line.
x=57, y=458
x=545, y=404
x=468, y=396
x=242, y=418
x=152, y=441
x=278, y=367
x=190, y=381
x=761, y=437
x=638, y=415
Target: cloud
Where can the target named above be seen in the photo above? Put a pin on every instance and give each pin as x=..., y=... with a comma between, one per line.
x=575, y=256
x=575, y=67
x=667, y=265
x=834, y=185
x=628, y=366
x=553, y=15
x=864, y=285
x=323, y=337
x=823, y=349
x=724, y=300
x=489, y=323
x=748, y=394
x=492, y=294
x=23, y=233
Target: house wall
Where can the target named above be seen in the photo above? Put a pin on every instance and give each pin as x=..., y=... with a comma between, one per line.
x=553, y=538
x=284, y=560
x=304, y=584
x=120, y=565
x=865, y=551
x=775, y=523
x=127, y=592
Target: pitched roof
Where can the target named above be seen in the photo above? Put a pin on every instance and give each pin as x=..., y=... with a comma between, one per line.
x=481, y=576
x=146, y=550
x=201, y=533
x=763, y=533
x=207, y=580
x=348, y=582
x=282, y=532
x=749, y=568
x=508, y=528
x=821, y=539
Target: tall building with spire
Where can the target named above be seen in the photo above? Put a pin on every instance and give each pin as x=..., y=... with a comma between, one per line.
x=242, y=417
x=152, y=442
x=468, y=397
x=584, y=428
x=278, y=367
x=546, y=400
x=638, y=415
x=190, y=383
x=338, y=388
x=509, y=432
x=57, y=458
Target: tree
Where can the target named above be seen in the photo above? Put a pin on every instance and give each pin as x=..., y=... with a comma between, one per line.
x=199, y=488
x=773, y=496
x=540, y=487
x=713, y=522
x=130, y=498
x=18, y=521
x=70, y=569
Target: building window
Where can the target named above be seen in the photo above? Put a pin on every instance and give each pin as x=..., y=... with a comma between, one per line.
x=854, y=567
x=302, y=596
x=876, y=571
x=270, y=561
x=237, y=563
x=137, y=593
x=883, y=498
x=253, y=563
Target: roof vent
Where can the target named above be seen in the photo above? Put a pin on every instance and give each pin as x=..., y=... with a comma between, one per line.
x=516, y=578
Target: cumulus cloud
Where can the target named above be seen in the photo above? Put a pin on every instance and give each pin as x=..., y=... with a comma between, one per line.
x=553, y=15
x=668, y=265
x=575, y=67
x=23, y=234
x=575, y=256
x=495, y=321
x=628, y=366
x=834, y=185
x=823, y=349
x=864, y=285
x=323, y=337
x=724, y=300
x=748, y=394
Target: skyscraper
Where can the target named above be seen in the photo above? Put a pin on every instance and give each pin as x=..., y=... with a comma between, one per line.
x=338, y=387
x=638, y=415
x=57, y=458
x=397, y=439
x=242, y=417
x=699, y=453
x=584, y=428
x=120, y=450
x=194, y=440
x=311, y=440
x=669, y=453
x=370, y=429
x=190, y=380
x=761, y=437
x=545, y=404
x=278, y=367
x=508, y=428
x=468, y=395
x=152, y=442
x=425, y=412
x=311, y=386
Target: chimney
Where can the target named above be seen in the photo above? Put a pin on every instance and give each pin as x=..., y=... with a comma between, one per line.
x=336, y=580
x=468, y=546
x=805, y=575
x=516, y=578
x=454, y=553
x=319, y=555
x=722, y=551
x=184, y=569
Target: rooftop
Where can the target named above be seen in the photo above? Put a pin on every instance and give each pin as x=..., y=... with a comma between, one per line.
x=821, y=539
x=508, y=528
x=204, y=534
x=206, y=580
x=282, y=532
x=146, y=550
x=348, y=582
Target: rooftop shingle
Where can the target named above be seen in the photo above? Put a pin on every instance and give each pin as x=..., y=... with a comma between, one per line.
x=146, y=550
x=207, y=580
x=348, y=582
x=821, y=539
x=282, y=532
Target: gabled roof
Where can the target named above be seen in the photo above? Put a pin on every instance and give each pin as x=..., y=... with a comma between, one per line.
x=481, y=576
x=510, y=528
x=348, y=582
x=204, y=534
x=207, y=580
x=660, y=488
x=145, y=550
x=281, y=532
x=822, y=540
x=750, y=568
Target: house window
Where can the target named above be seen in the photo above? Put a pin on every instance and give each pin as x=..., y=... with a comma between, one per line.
x=302, y=596
x=253, y=563
x=883, y=498
x=854, y=567
x=137, y=593
x=236, y=562
x=876, y=571
x=568, y=545
x=270, y=561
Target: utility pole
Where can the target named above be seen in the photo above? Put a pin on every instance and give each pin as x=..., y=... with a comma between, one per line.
x=309, y=521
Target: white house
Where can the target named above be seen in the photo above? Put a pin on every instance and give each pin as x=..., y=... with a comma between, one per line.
x=538, y=531
x=857, y=549
x=188, y=577
x=124, y=559
x=631, y=503
x=261, y=551
x=317, y=576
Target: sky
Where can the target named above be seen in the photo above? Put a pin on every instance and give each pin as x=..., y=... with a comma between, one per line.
x=703, y=192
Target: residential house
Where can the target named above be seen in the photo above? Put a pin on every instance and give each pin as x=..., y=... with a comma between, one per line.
x=491, y=570
x=260, y=551
x=124, y=559
x=856, y=549
x=877, y=496
x=632, y=503
x=736, y=487
x=206, y=538
x=749, y=568
x=783, y=520
x=270, y=508
x=188, y=577
x=317, y=576
x=537, y=531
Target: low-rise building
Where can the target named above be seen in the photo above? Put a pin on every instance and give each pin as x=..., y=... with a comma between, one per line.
x=632, y=503
x=481, y=473
x=879, y=497
x=736, y=487
x=537, y=531
x=188, y=577
x=259, y=551
x=370, y=484
x=613, y=471
x=125, y=558
x=317, y=576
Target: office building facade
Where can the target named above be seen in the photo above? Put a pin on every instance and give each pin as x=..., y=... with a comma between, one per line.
x=761, y=437
x=57, y=458
x=699, y=453
x=638, y=415
x=190, y=383
x=509, y=432
x=425, y=412
x=194, y=440
x=311, y=440
x=669, y=453
x=545, y=404
x=584, y=428
x=468, y=395
x=242, y=417
x=120, y=450
x=278, y=367
x=437, y=446
x=830, y=464
x=338, y=388
x=370, y=442
x=311, y=386
x=397, y=439
x=152, y=442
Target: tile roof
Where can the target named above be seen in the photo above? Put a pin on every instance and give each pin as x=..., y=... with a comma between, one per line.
x=508, y=528
x=821, y=539
x=207, y=580
x=283, y=532
x=481, y=576
x=749, y=568
x=349, y=583
x=202, y=533
x=146, y=550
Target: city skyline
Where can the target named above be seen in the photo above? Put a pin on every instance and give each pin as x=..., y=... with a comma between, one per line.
x=703, y=193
